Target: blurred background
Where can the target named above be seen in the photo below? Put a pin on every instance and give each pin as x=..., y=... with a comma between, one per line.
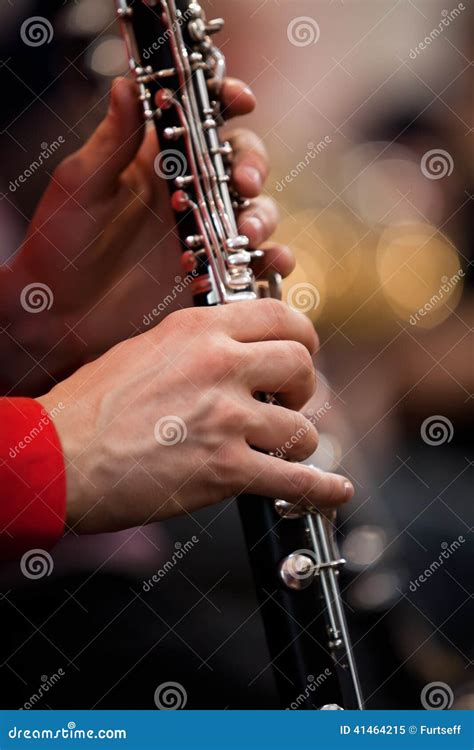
x=366, y=108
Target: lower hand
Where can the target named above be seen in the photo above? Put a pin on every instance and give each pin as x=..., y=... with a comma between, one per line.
x=168, y=422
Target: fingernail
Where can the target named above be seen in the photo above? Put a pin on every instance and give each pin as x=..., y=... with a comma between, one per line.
x=252, y=174
x=349, y=490
x=253, y=228
x=247, y=90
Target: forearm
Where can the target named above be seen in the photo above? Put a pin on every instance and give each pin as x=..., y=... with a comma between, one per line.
x=36, y=346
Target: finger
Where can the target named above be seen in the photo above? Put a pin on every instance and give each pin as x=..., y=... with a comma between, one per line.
x=250, y=163
x=236, y=98
x=296, y=483
x=98, y=165
x=265, y=320
x=277, y=258
x=282, y=368
x=259, y=221
x=287, y=434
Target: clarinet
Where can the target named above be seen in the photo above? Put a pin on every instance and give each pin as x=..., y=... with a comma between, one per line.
x=292, y=551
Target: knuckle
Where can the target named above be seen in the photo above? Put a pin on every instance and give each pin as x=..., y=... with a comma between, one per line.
x=304, y=437
x=270, y=210
x=333, y=493
x=303, y=482
x=275, y=312
x=225, y=466
x=237, y=135
x=230, y=414
x=222, y=358
x=65, y=174
x=327, y=488
x=187, y=319
x=299, y=354
x=311, y=442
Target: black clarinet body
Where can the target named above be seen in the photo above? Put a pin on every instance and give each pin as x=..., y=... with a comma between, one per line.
x=293, y=556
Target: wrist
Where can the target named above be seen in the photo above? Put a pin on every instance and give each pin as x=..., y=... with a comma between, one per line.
x=70, y=431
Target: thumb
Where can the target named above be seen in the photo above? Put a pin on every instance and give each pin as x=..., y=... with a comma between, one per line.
x=113, y=145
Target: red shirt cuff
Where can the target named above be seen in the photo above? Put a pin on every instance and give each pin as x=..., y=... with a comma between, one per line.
x=32, y=478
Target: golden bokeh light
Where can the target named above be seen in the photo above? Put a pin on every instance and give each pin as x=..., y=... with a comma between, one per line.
x=420, y=273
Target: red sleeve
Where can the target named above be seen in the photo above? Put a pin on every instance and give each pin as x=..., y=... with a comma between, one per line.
x=32, y=479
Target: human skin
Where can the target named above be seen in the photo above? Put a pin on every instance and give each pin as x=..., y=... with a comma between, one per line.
x=103, y=240
x=169, y=421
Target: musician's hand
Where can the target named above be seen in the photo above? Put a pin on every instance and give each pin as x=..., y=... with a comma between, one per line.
x=169, y=422
x=103, y=238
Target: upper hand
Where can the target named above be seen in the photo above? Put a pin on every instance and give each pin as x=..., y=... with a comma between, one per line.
x=103, y=233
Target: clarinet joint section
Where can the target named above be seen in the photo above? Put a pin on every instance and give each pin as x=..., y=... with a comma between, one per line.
x=204, y=188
